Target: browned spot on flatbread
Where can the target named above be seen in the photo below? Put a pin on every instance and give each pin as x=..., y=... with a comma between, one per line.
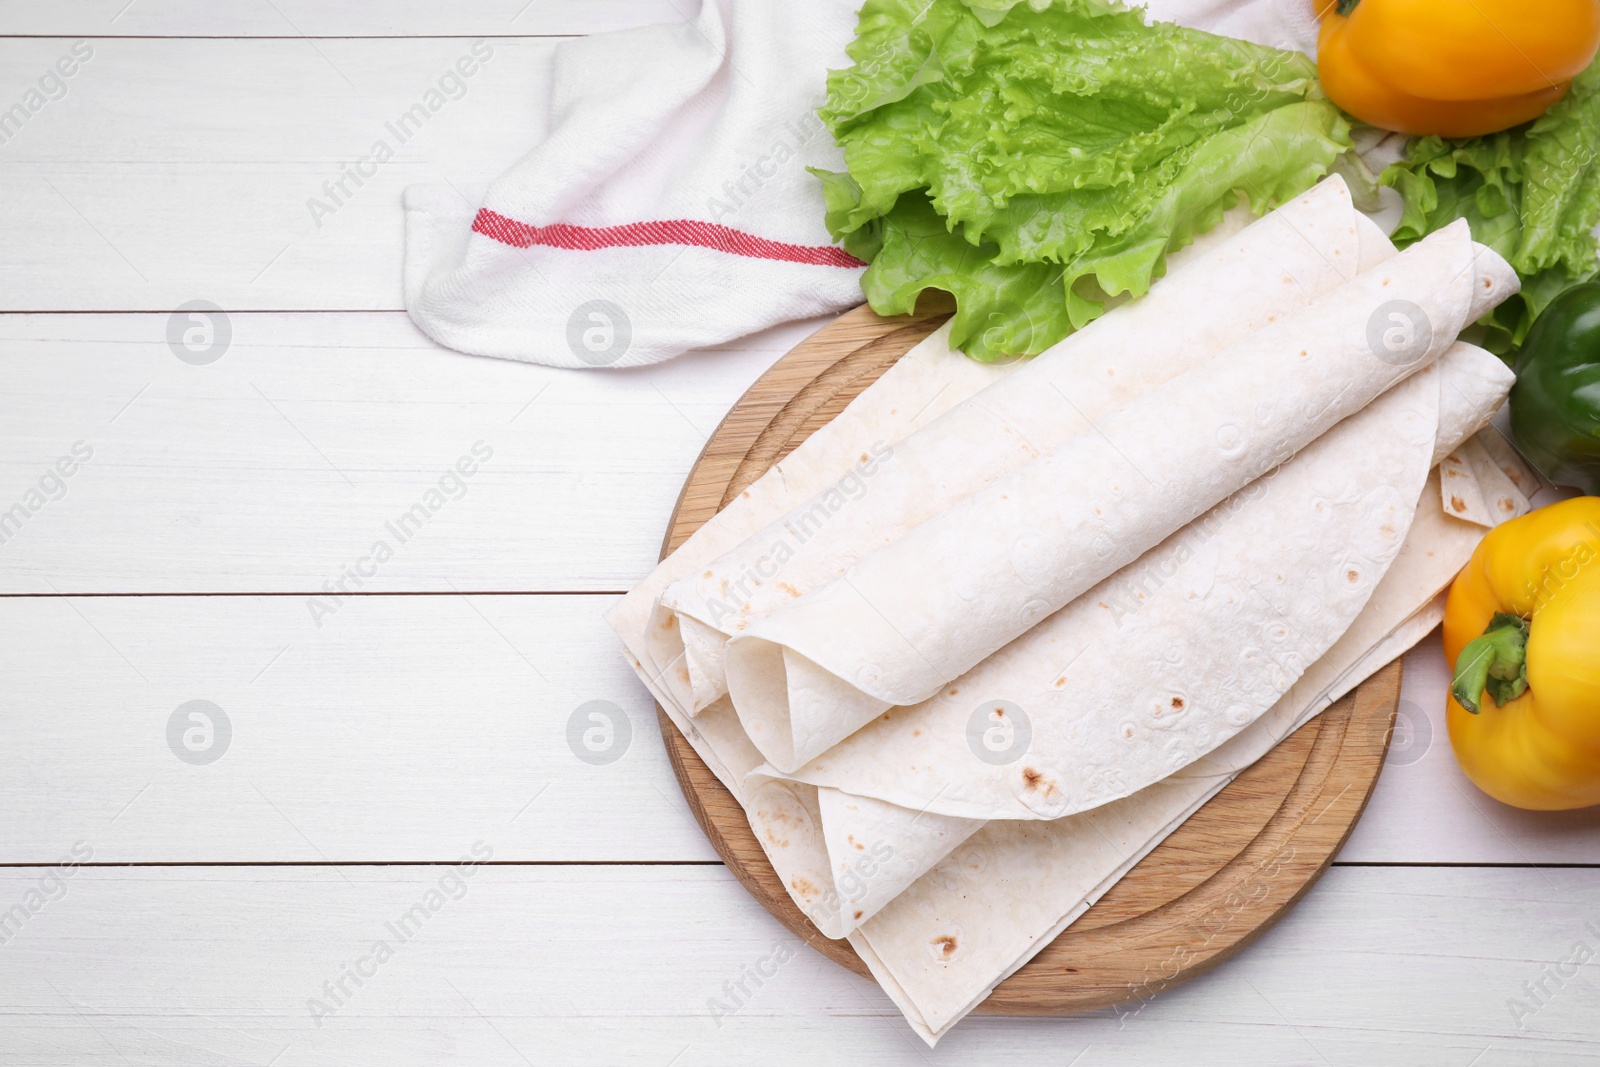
x=804, y=887
x=787, y=588
x=1036, y=782
x=859, y=914
x=1459, y=504
x=945, y=945
x=1177, y=703
x=1353, y=576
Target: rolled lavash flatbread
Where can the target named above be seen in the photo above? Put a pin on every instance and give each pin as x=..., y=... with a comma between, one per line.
x=1472, y=385
x=911, y=394
x=1219, y=621
x=818, y=839
x=792, y=823
x=843, y=857
x=1209, y=300
x=800, y=836
x=902, y=623
x=929, y=377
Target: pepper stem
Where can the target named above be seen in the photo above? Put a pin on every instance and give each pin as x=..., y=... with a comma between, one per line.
x=1347, y=6
x=1496, y=663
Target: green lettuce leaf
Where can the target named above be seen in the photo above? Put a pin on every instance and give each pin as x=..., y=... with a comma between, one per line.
x=1532, y=194
x=1037, y=159
x=1002, y=309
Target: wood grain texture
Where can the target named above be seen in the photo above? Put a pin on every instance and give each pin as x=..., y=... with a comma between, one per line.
x=177, y=169
x=279, y=466
x=599, y=966
x=400, y=726
x=405, y=722
x=1202, y=895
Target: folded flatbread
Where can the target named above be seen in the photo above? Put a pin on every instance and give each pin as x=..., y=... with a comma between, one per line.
x=902, y=623
x=844, y=878
x=1225, y=288
x=1222, y=618
x=906, y=839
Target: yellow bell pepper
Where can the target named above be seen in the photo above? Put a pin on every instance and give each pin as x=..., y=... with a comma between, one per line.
x=1453, y=68
x=1522, y=631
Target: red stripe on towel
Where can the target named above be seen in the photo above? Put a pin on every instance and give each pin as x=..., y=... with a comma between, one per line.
x=671, y=232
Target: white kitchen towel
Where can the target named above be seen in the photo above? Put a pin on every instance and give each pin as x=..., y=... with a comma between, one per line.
x=669, y=207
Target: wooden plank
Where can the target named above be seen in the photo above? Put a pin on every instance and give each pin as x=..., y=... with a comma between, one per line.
x=294, y=18
x=283, y=462
x=398, y=727
x=175, y=170
x=600, y=965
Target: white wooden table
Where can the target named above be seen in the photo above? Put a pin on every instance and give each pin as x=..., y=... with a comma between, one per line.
x=226, y=908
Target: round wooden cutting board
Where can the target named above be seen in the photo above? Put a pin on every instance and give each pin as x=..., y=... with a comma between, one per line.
x=1204, y=893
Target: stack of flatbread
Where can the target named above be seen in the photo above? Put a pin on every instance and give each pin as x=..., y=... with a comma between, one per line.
x=1042, y=613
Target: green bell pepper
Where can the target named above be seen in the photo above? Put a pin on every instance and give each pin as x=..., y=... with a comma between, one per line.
x=1555, y=405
